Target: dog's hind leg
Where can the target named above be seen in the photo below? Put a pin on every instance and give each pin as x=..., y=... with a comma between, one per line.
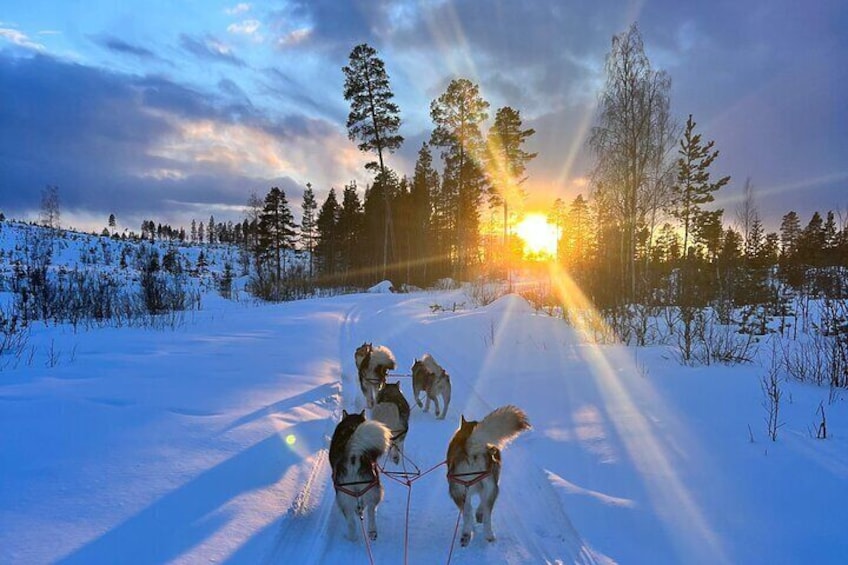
x=467, y=522
x=436, y=404
x=446, y=401
x=487, y=503
x=371, y=513
x=348, y=512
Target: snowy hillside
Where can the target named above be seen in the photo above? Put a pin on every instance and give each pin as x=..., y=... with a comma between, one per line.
x=208, y=442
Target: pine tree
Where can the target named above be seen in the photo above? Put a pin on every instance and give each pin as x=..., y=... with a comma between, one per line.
x=458, y=114
x=831, y=240
x=580, y=229
x=754, y=243
x=693, y=188
x=812, y=241
x=276, y=229
x=307, y=225
x=507, y=161
x=327, y=245
x=790, y=231
x=193, y=231
x=374, y=119
x=201, y=232
x=557, y=216
x=425, y=183
x=210, y=230
x=349, y=231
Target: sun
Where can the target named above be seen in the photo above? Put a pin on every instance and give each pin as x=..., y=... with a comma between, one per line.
x=540, y=237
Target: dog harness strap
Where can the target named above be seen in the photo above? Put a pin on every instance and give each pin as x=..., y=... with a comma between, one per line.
x=354, y=493
x=478, y=476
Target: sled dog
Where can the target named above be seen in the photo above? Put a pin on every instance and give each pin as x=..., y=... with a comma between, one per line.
x=372, y=364
x=474, y=464
x=356, y=445
x=430, y=377
x=392, y=409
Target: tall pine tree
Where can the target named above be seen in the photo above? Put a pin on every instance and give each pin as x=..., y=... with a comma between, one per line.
x=507, y=161
x=308, y=233
x=693, y=188
x=374, y=118
x=458, y=115
x=276, y=229
x=327, y=244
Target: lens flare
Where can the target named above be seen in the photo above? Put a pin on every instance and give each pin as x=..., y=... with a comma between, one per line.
x=291, y=439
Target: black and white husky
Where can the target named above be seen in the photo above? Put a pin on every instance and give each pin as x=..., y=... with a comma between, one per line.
x=393, y=410
x=372, y=364
x=429, y=377
x=474, y=464
x=356, y=446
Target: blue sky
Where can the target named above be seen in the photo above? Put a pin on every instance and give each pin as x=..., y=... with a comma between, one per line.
x=172, y=110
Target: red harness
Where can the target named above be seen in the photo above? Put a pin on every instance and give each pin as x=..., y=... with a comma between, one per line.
x=342, y=487
x=478, y=476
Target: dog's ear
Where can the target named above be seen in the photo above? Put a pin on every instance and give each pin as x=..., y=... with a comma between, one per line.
x=362, y=413
x=344, y=414
x=462, y=419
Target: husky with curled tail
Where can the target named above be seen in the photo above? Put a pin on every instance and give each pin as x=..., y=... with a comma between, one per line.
x=474, y=464
x=356, y=446
x=429, y=377
x=372, y=365
x=393, y=410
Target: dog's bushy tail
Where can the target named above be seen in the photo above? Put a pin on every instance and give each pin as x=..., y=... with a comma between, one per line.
x=370, y=439
x=498, y=428
x=382, y=356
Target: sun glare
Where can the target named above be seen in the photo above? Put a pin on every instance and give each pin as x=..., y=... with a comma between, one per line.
x=540, y=237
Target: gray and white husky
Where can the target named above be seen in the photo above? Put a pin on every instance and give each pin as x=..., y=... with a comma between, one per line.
x=356, y=446
x=474, y=464
x=372, y=364
x=393, y=410
x=429, y=377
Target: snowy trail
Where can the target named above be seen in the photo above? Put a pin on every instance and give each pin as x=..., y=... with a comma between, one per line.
x=543, y=534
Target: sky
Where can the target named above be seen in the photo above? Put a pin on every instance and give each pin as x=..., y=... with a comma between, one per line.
x=173, y=110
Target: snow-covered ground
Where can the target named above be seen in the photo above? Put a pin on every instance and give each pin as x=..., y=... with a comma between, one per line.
x=208, y=442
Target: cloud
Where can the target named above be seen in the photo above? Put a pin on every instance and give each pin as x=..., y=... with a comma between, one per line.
x=15, y=37
x=135, y=145
x=246, y=27
x=210, y=49
x=294, y=37
x=239, y=8
x=120, y=46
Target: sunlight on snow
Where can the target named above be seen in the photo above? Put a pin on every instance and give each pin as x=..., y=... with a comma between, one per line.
x=672, y=499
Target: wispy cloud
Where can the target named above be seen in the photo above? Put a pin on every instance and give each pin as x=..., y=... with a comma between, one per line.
x=20, y=39
x=239, y=8
x=246, y=27
x=294, y=37
x=211, y=49
x=49, y=32
x=120, y=46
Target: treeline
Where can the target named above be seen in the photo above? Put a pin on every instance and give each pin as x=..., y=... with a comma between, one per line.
x=410, y=230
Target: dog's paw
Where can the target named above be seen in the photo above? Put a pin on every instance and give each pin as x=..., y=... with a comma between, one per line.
x=437, y=413
x=490, y=537
x=373, y=535
x=466, y=537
